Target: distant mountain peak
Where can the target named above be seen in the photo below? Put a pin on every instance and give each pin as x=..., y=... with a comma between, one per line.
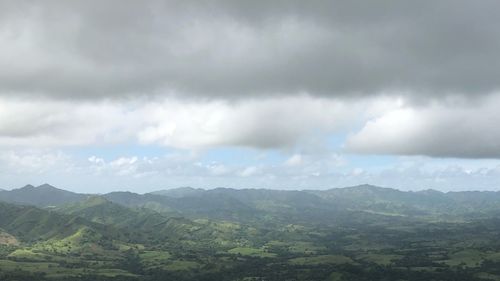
x=179, y=192
x=43, y=195
x=366, y=187
x=183, y=188
x=28, y=186
x=47, y=186
x=430, y=191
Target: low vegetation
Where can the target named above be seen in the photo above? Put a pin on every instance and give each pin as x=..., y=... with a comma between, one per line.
x=359, y=233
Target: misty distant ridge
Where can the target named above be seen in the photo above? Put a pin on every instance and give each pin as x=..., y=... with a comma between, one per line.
x=42, y=195
x=249, y=204
x=179, y=192
x=187, y=190
x=45, y=187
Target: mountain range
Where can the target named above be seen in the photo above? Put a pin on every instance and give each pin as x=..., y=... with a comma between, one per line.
x=351, y=233
x=226, y=203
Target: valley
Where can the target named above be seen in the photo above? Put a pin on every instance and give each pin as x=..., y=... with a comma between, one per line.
x=352, y=233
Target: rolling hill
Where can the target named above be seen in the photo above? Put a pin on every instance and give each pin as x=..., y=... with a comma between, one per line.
x=247, y=205
x=42, y=196
x=352, y=233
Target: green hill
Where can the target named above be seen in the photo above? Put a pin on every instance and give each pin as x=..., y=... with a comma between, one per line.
x=31, y=224
x=42, y=196
x=142, y=224
x=179, y=192
x=247, y=205
x=355, y=233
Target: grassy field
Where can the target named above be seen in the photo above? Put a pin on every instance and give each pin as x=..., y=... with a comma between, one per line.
x=154, y=259
x=253, y=252
x=469, y=258
x=181, y=265
x=52, y=269
x=323, y=259
x=380, y=259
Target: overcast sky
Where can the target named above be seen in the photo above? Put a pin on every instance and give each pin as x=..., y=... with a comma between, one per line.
x=142, y=95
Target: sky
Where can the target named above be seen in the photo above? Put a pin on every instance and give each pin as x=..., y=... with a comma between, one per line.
x=109, y=95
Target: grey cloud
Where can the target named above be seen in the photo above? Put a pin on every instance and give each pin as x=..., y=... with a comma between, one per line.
x=263, y=123
x=462, y=131
x=235, y=49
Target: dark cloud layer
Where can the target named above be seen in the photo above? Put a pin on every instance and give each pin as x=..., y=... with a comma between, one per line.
x=261, y=74
x=234, y=49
